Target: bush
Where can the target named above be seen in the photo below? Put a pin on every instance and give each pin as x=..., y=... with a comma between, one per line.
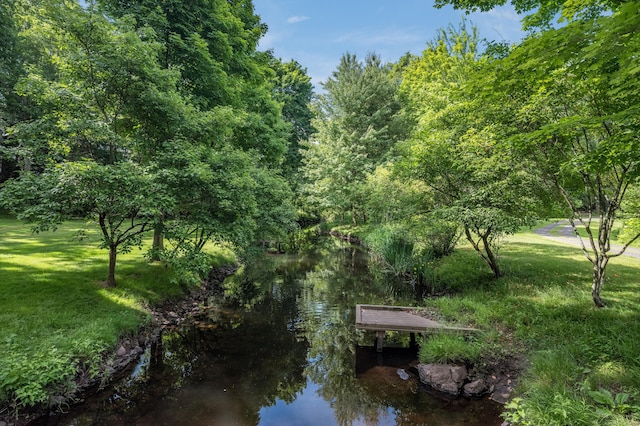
x=436, y=238
x=30, y=379
x=392, y=246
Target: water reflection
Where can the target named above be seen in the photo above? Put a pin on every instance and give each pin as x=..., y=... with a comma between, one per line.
x=281, y=349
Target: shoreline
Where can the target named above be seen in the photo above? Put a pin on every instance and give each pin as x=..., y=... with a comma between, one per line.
x=116, y=362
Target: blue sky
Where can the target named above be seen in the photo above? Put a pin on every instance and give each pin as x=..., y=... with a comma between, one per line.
x=317, y=33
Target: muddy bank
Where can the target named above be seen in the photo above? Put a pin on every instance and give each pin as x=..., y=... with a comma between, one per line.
x=126, y=353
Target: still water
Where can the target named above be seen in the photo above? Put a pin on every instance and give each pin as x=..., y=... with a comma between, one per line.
x=281, y=349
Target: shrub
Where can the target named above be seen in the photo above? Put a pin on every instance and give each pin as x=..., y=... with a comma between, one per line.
x=392, y=246
x=436, y=238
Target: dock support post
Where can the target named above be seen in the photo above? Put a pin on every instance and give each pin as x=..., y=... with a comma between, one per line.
x=379, y=340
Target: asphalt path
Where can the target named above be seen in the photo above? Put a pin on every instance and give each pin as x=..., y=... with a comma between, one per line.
x=563, y=232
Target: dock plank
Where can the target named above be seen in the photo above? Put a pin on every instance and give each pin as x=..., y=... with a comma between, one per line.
x=381, y=318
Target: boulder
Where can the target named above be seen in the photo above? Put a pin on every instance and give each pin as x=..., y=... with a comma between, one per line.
x=443, y=377
x=475, y=388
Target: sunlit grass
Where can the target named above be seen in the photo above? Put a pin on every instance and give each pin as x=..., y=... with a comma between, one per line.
x=542, y=308
x=54, y=309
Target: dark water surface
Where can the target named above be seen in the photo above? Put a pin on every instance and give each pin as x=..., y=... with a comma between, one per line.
x=282, y=349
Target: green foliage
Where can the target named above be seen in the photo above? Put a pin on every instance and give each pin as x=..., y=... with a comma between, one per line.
x=617, y=403
x=445, y=348
x=391, y=198
x=393, y=247
x=29, y=379
x=358, y=121
x=412, y=251
x=293, y=88
x=456, y=151
x=122, y=199
x=574, y=121
x=543, y=13
x=435, y=238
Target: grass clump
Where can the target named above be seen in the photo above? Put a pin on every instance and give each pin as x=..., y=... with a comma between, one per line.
x=411, y=250
x=444, y=348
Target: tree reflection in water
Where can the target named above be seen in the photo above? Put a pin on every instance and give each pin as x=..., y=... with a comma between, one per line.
x=280, y=348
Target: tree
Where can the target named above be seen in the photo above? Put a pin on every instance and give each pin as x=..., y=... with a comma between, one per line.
x=214, y=193
x=293, y=88
x=10, y=67
x=103, y=105
x=455, y=150
x=358, y=121
x=574, y=116
x=543, y=11
x=122, y=198
x=213, y=44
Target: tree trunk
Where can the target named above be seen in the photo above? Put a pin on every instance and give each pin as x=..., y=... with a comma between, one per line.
x=486, y=254
x=158, y=241
x=599, y=272
x=111, y=281
x=492, y=260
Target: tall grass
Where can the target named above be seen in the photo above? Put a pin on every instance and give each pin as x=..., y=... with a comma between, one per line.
x=409, y=250
x=56, y=318
x=392, y=246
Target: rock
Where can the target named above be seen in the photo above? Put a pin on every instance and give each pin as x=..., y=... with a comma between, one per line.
x=443, y=377
x=403, y=374
x=475, y=388
x=122, y=351
x=501, y=397
x=142, y=340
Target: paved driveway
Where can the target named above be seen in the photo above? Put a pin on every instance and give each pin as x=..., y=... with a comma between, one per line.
x=563, y=233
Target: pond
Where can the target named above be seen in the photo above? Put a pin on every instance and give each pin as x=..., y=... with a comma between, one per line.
x=281, y=348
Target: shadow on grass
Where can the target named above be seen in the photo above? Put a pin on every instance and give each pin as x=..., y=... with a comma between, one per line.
x=544, y=301
x=54, y=310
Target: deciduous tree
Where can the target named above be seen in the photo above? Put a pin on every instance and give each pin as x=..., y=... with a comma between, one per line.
x=571, y=96
x=455, y=150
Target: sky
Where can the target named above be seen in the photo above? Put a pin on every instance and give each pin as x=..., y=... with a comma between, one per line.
x=317, y=33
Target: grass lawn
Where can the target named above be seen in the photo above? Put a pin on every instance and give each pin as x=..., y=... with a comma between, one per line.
x=583, y=362
x=56, y=316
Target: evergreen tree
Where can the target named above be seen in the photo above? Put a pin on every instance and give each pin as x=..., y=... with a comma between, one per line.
x=358, y=122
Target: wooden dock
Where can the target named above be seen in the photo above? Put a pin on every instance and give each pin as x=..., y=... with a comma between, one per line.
x=380, y=318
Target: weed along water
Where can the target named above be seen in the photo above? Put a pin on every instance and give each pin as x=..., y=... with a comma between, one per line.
x=281, y=348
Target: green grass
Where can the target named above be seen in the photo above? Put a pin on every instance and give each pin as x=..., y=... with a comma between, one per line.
x=444, y=348
x=542, y=309
x=55, y=314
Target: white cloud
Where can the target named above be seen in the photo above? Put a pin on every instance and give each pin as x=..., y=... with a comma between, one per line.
x=296, y=19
